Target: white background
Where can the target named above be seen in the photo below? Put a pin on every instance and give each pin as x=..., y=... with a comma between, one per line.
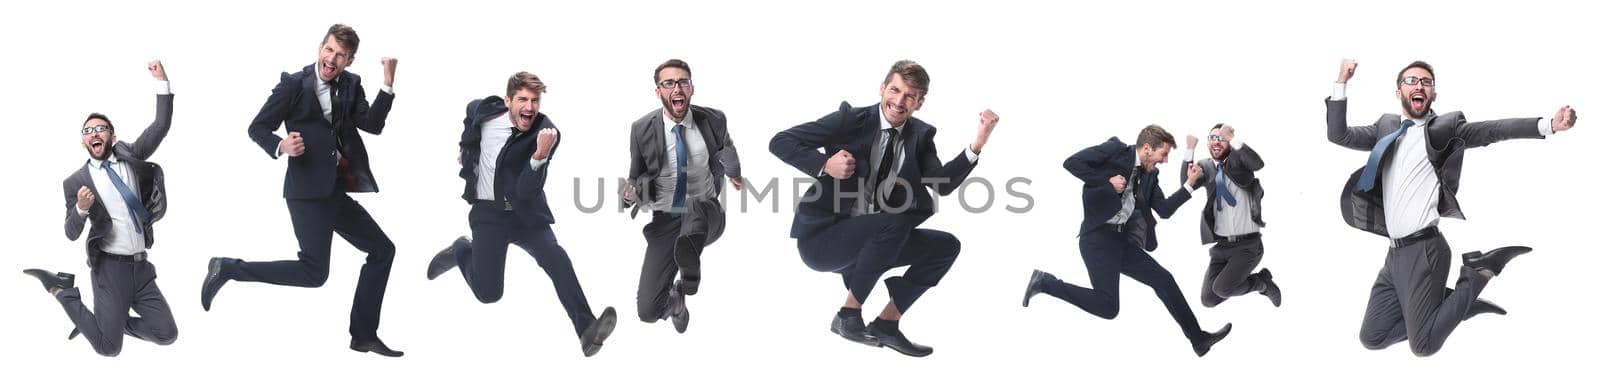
x=1062, y=77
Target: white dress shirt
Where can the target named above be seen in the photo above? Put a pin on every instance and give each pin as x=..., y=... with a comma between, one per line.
x=494, y=133
x=698, y=169
x=123, y=239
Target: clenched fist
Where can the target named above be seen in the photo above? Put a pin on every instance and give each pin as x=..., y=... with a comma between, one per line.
x=156, y=70
x=986, y=122
x=1194, y=174
x=294, y=146
x=1119, y=183
x=1347, y=69
x=1564, y=120
x=85, y=198
x=546, y=140
x=841, y=165
x=388, y=70
x=1191, y=141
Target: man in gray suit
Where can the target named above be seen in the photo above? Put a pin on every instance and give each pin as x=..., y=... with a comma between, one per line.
x=678, y=157
x=1231, y=219
x=1409, y=182
x=122, y=196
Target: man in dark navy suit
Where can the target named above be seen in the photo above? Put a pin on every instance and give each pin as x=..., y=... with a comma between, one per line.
x=323, y=107
x=1120, y=191
x=861, y=220
x=506, y=146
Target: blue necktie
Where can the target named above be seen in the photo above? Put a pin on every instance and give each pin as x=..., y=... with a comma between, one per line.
x=135, y=208
x=1222, y=189
x=683, y=165
x=1369, y=176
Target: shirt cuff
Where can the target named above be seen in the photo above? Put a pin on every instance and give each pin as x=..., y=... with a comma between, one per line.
x=1338, y=92
x=387, y=89
x=971, y=156
x=1188, y=155
x=81, y=212
x=163, y=87
x=1545, y=129
x=536, y=164
x=1188, y=189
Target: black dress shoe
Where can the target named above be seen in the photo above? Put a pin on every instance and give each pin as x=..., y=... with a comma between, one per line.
x=894, y=339
x=446, y=259
x=213, y=282
x=1495, y=260
x=1270, y=288
x=597, y=332
x=1035, y=285
x=1202, y=346
x=52, y=281
x=375, y=346
x=687, y=255
x=1480, y=306
x=678, y=310
x=853, y=329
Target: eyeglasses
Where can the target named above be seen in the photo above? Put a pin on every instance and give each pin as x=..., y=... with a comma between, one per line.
x=95, y=129
x=671, y=83
x=1214, y=138
x=1426, y=82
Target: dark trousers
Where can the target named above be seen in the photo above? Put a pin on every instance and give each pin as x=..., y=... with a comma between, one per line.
x=1409, y=299
x=862, y=248
x=664, y=235
x=1108, y=254
x=118, y=287
x=483, y=263
x=1229, y=273
x=315, y=222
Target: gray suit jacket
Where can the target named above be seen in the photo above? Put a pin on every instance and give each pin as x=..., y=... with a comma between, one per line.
x=1240, y=167
x=150, y=180
x=1449, y=135
x=647, y=151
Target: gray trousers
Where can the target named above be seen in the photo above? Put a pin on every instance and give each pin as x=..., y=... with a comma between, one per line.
x=118, y=287
x=1409, y=300
x=700, y=225
x=1229, y=273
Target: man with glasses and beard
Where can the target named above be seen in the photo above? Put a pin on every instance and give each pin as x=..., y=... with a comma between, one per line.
x=1409, y=182
x=1232, y=218
x=121, y=195
x=678, y=156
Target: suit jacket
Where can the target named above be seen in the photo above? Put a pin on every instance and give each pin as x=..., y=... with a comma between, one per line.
x=515, y=180
x=1096, y=165
x=294, y=105
x=1448, y=137
x=856, y=130
x=150, y=180
x=647, y=150
x=1240, y=167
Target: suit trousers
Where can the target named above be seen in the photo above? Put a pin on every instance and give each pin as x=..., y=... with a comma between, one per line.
x=1229, y=272
x=315, y=222
x=483, y=262
x=118, y=287
x=862, y=248
x=1410, y=302
x=701, y=225
x=1108, y=254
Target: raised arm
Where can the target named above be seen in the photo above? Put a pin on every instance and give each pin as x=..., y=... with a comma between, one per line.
x=1339, y=131
x=152, y=136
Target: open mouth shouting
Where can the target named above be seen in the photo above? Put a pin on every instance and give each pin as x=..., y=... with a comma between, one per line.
x=1418, y=101
x=524, y=119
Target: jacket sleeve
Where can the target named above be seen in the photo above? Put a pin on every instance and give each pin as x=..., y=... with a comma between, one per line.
x=152, y=136
x=729, y=156
x=1482, y=133
x=1360, y=138
x=1163, y=205
x=74, y=222
x=263, y=129
x=371, y=118
x=950, y=175
x=1086, y=162
x=797, y=146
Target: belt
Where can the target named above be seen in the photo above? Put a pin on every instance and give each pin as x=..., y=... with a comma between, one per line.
x=1415, y=237
x=502, y=205
x=1118, y=227
x=134, y=258
x=1237, y=238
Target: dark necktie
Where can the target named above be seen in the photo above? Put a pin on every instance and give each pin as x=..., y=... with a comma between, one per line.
x=135, y=208
x=1222, y=189
x=1369, y=175
x=886, y=165
x=681, y=191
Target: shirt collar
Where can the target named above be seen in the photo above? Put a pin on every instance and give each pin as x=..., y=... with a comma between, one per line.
x=95, y=162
